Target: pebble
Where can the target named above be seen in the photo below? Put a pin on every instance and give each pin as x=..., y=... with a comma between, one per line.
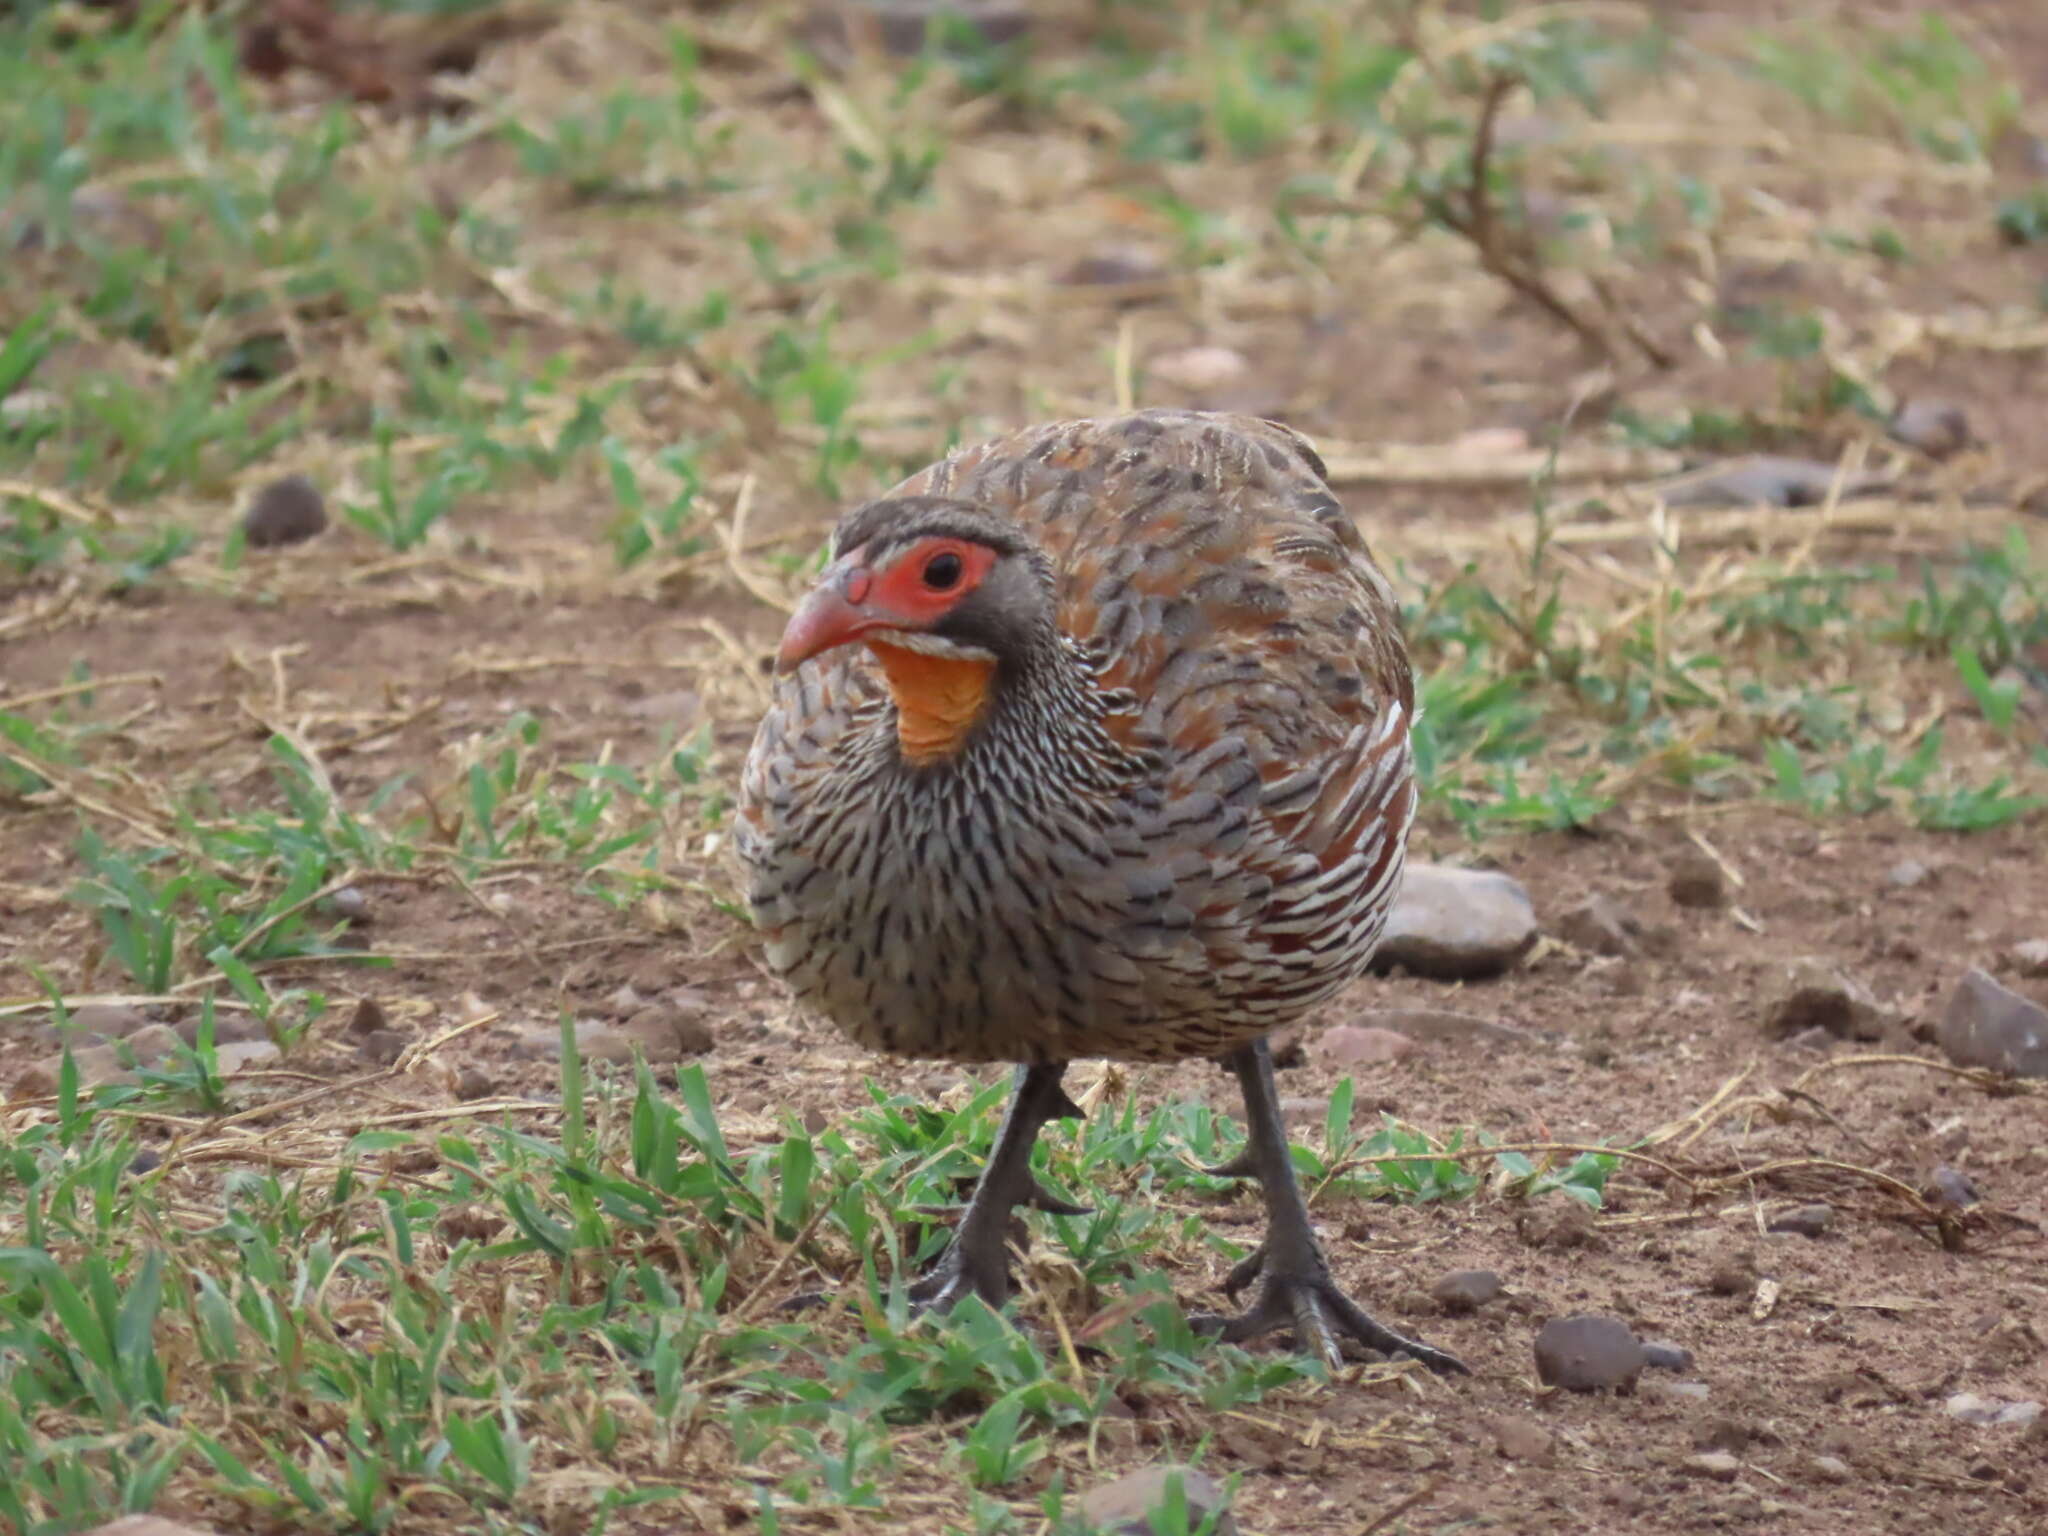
x=1938, y=428
x=1199, y=370
x=1660, y=1356
x=1972, y=1409
x=1126, y=1507
x=897, y=27
x=1988, y=1025
x=286, y=511
x=1828, y=1469
x=667, y=1034
x=1598, y=926
x=239, y=1055
x=147, y=1525
x=1815, y=995
x=367, y=1018
x=2030, y=958
x=1734, y=1275
x=1559, y=1224
x=1452, y=924
x=1588, y=1353
x=1765, y=480
x=1523, y=1439
x=350, y=903
x=1354, y=1045
x=105, y=1021
x=1719, y=1465
x=1117, y=266
x=1466, y=1290
x=1695, y=880
x=145, y=1161
x=383, y=1046
x=1952, y=1187
x=1908, y=873
x=473, y=1083
x=1804, y=1220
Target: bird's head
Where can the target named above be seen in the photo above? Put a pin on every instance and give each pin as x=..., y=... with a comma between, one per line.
x=944, y=595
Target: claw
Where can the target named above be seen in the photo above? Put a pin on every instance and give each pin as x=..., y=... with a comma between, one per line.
x=1319, y=1313
x=1043, y=1199
x=1243, y=1166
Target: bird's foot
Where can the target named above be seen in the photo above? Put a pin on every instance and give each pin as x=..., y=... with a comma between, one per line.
x=963, y=1270
x=1319, y=1313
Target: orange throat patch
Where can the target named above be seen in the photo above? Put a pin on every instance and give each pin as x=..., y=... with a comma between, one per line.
x=938, y=699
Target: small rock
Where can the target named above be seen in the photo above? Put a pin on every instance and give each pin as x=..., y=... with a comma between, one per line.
x=1119, y=266
x=1598, y=926
x=1972, y=1409
x=2030, y=958
x=1489, y=442
x=29, y=408
x=1765, y=480
x=1719, y=1465
x=1126, y=1506
x=898, y=27
x=147, y=1525
x=1560, y=1224
x=1695, y=880
x=1456, y=924
x=368, y=1017
x=1660, y=1356
x=1587, y=1353
x=383, y=1046
x=350, y=903
x=1817, y=996
x=1908, y=873
x=816, y=1121
x=1523, y=1439
x=1199, y=370
x=1952, y=1187
x=1804, y=1220
x=1828, y=1469
x=1938, y=428
x=1734, y=1274
x=1690, y=1391
x=473, y=1083
x=286, y=511
x=106, y=1021
x=1988, y=1025
x=240, y=1055
x=1297, y=1110
x=1444, y=1024
x=145, y=1161
x=1352, y=1045
x=667, y=1034
x=1466, y=1290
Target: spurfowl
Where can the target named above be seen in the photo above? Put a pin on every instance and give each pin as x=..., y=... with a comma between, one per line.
x=1093, y=741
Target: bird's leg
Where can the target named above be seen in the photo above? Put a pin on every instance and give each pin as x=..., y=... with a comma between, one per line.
x=1295, y=1288
x=977, y=1260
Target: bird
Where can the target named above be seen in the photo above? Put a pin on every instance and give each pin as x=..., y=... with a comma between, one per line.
x=1093, y=741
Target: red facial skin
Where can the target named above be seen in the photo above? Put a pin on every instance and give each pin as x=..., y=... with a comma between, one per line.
x=852, y=601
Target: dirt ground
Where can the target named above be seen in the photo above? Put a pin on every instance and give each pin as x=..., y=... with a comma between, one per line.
x=1858, y=1338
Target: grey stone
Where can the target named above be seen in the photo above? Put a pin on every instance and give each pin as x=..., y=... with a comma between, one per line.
x=1125, y=1507
x=1952, y=1187
x=1523, y=1439
x=1456, y=924
x=1466, y=1290
x=1354, y=1045
x=1908, y=873
x=1719, y=1465
x=2030, y=958
x=1938, y=428
x=1588, y=1353
x=1695, y=880
x=286, y=511
x=1804, y=1220
x=473, y=1083
x=1817, y=996
x=1990, y=1411
x=1988, y=1025
x=1828, y=1469
x=1765, y=480
x=1660, y=1356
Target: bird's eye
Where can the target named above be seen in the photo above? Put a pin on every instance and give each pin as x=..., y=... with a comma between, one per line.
x=942, y=571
